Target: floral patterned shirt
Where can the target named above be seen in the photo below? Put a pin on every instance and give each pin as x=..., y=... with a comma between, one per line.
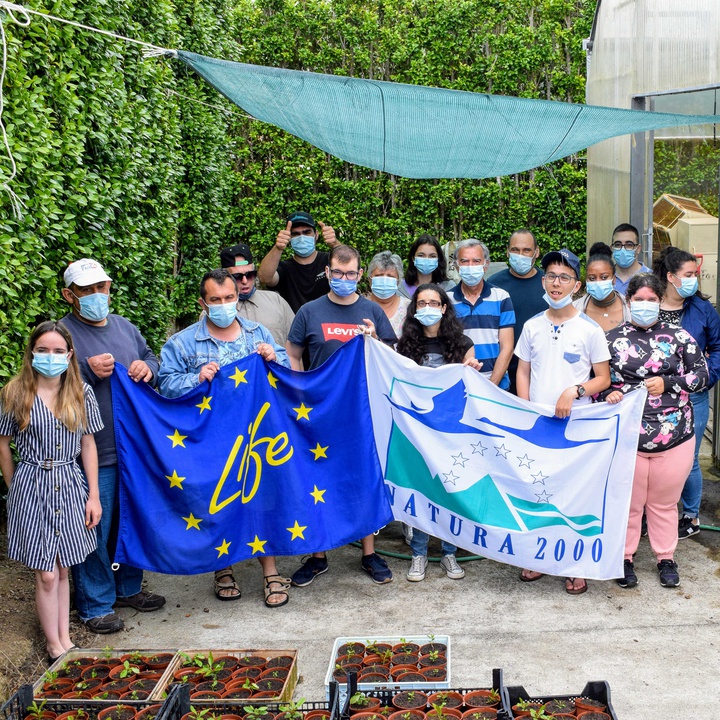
x=661, y=350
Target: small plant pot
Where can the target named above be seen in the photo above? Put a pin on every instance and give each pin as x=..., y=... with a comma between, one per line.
x=134, y=659
x=121, y=672
x=405, y=659
x=237, y=694
x=120, y=685
x=481, y=713
x=44, y=715
x=159, y=662
x=368, y=715
x=190, y=675
x=583, y=704
x=230, y=717
x=525, y=711
x=149, y=713
x=276, y=673
x=398, y=670
x=317, y=714
x=265, y=694
x=380, y=669
x=117, y=712
x=592, y=715
x=411, y=676
x=556, y=707
x=412, y=715
x=218, y=687
x=61, y=685
x=96, y=671
x=283, y=661
x=410, y=700
x=76, y=714
x=373, y=659
x=252, y=661
x=205, y=695
x=352, y=648
x=427, y=661
x=273, y=685
x=103, y=694
x=480, y=698
x=446, y=712
x=372, y=677
x=142, y=684
x=227, y=662
x=247, y=672
x=433, y=647
x=89, y=685
x=135, y=695
x=369, y=707
x=434, y=673
x=48, y=695
x=406, y=647
x=450, y=698
x=85, y=661
x=77, y=695
x=349, y=660
x=74, y=672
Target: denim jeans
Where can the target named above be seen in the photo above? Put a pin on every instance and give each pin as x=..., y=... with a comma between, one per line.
x=692, y=492
x=419, y=544
x=96, y=585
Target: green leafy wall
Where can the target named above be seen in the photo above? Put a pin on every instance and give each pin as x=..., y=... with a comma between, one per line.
x=143, y=166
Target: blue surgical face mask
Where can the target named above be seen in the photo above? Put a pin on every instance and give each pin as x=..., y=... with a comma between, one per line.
x=247, y=296
x=558, y=304
x=50, y=364
x=521, y=264
x=303, y=245
x=425, y=266
x=624, y=258
x=599, y=289
x=472, y=275
x=644, y=312
x=223, y=314
x=384, y=287
x=94, y=307
x=688, y=286
x=343, y=288
x=428, y=316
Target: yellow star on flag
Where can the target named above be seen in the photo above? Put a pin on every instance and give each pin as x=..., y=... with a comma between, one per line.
x=257, y=545
x=297, y=531
x=318, y=494
x=319, y=451
x=239, y=377
x=192, y=522
x=302, y=412
x=205, y=404
x=223, y=549
x=272, y=380
x=175, y=480
x=177, y=438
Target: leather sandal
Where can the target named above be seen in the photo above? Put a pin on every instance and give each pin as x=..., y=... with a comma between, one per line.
x=232, y=586
x=284, y=584
x=528, y=578
x=570, y=588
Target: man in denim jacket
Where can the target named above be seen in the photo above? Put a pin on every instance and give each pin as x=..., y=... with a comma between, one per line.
x=194, y=355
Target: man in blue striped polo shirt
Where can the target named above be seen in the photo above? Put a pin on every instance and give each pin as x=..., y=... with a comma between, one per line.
x=485, y=311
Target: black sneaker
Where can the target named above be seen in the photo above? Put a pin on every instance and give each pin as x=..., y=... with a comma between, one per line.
x=310, y=569
x=669, y=576
x=106, y=624
x=142, y=601
x=630, y=579
x=687, y=527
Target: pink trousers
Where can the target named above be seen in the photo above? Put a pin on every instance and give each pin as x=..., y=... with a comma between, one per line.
x=657, y=485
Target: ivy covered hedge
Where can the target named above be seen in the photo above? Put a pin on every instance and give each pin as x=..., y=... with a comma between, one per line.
x=142, y=165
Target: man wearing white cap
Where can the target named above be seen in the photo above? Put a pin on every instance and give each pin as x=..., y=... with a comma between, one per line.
x=102, y=338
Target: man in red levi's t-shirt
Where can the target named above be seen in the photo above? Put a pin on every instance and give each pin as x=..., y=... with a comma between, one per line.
x=322, y=326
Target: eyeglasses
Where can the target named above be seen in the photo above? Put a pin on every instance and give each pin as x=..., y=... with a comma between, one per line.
x=624, y=246
x=429, y=303
x=564, y=279
x=249, y=275
x=349, y=275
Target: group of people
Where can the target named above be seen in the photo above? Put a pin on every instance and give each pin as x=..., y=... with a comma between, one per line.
x=525, y=329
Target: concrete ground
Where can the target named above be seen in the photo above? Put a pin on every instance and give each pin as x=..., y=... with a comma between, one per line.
x=658, y=648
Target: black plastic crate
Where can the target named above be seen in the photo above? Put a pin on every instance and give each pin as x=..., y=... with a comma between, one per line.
x=598, y=690
x=388, y=691
x=178, y=703
x=16, y=707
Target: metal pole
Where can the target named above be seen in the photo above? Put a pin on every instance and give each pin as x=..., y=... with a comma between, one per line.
x=638, y=173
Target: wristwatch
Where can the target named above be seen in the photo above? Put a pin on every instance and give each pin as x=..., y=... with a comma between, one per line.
x=580, y=391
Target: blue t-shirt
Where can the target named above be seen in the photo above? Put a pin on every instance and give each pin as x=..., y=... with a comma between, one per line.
x=323, y=326
x=526, y=295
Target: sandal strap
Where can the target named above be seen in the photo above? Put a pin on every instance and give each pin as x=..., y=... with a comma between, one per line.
x=277, y=580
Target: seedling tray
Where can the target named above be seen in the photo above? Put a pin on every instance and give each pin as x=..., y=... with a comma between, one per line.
x=430, y=685
x=284, y=696
x=178, y=703
x=595, y=690
x=386, y=693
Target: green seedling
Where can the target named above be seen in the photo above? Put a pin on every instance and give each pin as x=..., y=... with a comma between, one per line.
x=292, y=710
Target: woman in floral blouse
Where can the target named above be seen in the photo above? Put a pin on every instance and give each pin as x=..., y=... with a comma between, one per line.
x=666, y=360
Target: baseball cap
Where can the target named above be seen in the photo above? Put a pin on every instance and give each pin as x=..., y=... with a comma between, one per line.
x=85, y=272
x=564, y=257
x=227, y=255
x=301, y=218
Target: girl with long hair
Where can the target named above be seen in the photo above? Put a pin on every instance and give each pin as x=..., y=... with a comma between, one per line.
x=432, y=336
x=50, y=415
x=426, y=264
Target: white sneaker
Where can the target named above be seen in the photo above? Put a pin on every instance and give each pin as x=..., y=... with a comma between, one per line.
x=450, y=565
x=408, y=533
x=416, y=573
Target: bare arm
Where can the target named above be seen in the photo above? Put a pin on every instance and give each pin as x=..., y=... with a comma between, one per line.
x=506, y=340
x=295, y=353
x=600, y=382
x=88, y=453
x=471, y=361
x=522, y=379
x=267, y=272
x=7, y=466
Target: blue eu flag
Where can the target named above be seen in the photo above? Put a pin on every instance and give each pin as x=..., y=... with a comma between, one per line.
x=261, y=461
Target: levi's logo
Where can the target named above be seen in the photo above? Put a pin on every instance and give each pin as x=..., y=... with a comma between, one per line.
x=338, y=331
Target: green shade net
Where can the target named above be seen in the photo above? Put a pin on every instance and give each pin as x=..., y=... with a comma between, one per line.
x=422, y=132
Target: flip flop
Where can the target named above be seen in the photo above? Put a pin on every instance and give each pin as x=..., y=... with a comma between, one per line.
x=224, y=587
x=525, y=578
x=284, y=585
x=572, y=590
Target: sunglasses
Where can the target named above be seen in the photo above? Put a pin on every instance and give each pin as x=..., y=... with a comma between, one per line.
x=249, y=275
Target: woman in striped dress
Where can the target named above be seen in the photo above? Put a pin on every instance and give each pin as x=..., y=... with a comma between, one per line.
x=53, y=509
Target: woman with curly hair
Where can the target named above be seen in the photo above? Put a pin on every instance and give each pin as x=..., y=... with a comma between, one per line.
x=432, y=336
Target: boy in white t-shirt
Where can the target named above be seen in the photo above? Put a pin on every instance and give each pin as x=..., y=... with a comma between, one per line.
x=557, y=351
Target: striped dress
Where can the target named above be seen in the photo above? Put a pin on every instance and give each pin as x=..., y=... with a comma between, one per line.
x=46, y=501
